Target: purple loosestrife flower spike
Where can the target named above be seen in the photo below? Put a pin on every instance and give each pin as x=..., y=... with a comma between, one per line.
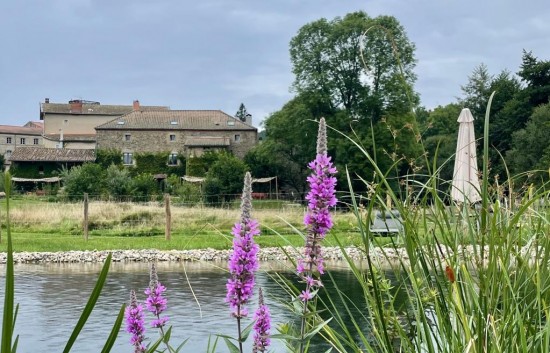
x=135, y=323
x=261, y=326
x=155, y=302
x=243, y=261
x=320, y=197
x=246, y=198
x=322, y=137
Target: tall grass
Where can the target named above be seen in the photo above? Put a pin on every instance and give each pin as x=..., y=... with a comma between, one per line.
x=478, y=281
x=43, y=226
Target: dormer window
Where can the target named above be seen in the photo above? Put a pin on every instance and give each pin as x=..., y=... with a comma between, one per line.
x=120, y=122
x=173, y=123
x=230, y=123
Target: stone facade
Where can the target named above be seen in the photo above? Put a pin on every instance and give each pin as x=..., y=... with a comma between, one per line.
x=136, y=141
x=189, y=133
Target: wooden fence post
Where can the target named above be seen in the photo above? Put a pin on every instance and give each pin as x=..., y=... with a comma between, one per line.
x=85, y=216
x=167, y=230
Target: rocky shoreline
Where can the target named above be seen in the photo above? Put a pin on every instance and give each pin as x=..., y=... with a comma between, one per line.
x=150, y=255
x=265, y=255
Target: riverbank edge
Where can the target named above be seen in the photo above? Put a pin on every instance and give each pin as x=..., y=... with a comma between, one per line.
x=206, y=255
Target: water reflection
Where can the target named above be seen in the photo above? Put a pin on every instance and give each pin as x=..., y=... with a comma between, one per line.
x=52, y=296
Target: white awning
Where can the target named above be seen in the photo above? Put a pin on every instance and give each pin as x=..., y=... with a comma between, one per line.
x=192, y=179
x=42, y=180
x=263, y=180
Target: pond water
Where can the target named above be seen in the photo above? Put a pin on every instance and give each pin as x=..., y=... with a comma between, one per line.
x=52, y=296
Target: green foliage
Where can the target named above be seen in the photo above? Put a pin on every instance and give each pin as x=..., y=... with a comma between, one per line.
x=118, y=181
x=151, y=163
x=241, y=113
x=332, y=58
x=291, y=139
x=531, y=149
x=35, y=170
x=145, y=187
x=87, y=178
x=107, y=157
x=198, y=166
x=440, y=137
x=189, y=193
x=224, y=179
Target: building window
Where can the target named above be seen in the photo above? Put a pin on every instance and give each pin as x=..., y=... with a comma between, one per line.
x=22, y=141
x=35, y=141
x=237, y=138
x=8, y=139
x=172, y=138
x=173, y=159
x=8, y=153
x=41, y=170
x=127, y=158
x=127, y=137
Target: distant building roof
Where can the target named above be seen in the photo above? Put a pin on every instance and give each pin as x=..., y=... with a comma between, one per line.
x=91, y=109
x=38, y=154
x=176, y=120
x=20, y=130
x=35, y=124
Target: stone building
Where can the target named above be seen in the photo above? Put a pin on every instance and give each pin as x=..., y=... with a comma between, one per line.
x=179, y=132
x=72, y=124
x=14, y=136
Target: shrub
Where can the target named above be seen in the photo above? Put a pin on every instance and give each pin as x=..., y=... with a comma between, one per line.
x=87, y=178
x=145, y=186
x=118, y=181
x=224, y=178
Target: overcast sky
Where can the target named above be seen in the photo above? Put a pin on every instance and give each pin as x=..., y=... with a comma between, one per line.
x=215, y=54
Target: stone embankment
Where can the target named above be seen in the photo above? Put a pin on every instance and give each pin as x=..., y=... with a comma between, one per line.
x=265, y=254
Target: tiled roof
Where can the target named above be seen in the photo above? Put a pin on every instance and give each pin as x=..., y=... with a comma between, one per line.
x=20, y=130
x=35, y=124
x=37, y=154
x=207, y=141
x=72, y=137
x=96, y=109
x=176, y=120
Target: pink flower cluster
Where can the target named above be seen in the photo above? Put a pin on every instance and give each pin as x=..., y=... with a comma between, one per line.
x=242, y=265
x=321, y=197
x=261, y=326
x=135, y=323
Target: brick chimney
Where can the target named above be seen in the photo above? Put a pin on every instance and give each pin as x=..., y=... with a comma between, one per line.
x=136, y=105
x=76, y=106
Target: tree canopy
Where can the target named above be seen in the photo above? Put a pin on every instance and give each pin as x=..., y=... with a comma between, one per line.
x=361, y=64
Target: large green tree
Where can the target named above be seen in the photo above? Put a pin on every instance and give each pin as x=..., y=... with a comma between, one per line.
x=506, y=106
x=357, y=73
x=291, y=138
x=531, y=149
x=361, y=64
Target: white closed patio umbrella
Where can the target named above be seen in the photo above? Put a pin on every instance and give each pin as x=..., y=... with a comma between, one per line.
x=465, y=188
